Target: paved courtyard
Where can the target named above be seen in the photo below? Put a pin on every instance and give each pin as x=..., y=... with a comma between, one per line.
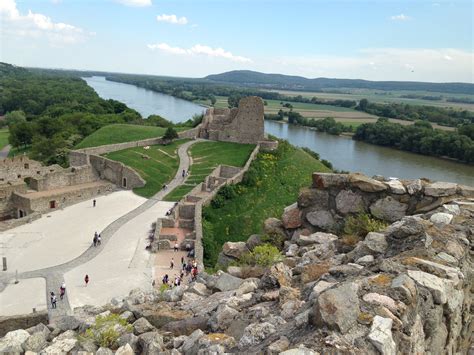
x=23, y=297
x=62, y=235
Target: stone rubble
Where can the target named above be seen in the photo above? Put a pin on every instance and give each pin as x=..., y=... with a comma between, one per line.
x=406, y=289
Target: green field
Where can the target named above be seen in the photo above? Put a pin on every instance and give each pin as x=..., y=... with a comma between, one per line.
x=120, y=133
x=157, y=165
x=3, y=138
x=277, y=180
x=206, y=157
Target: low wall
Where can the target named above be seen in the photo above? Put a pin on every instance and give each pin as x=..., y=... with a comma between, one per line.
x=25, y=321
x=57, y=179
x=116, y=172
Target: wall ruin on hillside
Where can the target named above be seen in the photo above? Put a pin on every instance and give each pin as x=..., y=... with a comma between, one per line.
x=244, y=124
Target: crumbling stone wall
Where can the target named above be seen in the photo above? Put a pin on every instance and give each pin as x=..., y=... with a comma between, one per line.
x=244, y=124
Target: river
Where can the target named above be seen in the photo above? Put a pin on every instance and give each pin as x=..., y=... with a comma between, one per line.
x=343, y=152
x=146, y=102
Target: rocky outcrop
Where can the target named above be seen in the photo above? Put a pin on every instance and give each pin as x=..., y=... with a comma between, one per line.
x=405, y=289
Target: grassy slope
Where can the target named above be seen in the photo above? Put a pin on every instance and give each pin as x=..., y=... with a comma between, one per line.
x=206, y=157
x=278, y=186
x=158, y=170
x=3, y=137
x=119, y=133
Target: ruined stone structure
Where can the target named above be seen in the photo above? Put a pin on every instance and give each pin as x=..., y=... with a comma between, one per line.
x=28, y=188
x=244, y=124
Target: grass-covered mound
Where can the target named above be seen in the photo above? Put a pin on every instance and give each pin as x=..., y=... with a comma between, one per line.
x=206, y=157
x=3, y=137
x=157, y=165
x=120, y=133
x=272, y=183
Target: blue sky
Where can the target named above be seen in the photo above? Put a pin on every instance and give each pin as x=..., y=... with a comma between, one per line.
x=375, y=40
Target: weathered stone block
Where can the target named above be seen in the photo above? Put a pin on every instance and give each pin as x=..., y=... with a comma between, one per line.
x=348, y=201
x=365, y=183
x=291, y=217
x=388, y=209
x=322, y=219
x=326, y=180
x=441, y=189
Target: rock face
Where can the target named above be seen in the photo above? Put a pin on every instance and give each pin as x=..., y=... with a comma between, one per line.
x=337, y=308
x=405, y=289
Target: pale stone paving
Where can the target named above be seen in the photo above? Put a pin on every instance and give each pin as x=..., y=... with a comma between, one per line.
x=54, y=275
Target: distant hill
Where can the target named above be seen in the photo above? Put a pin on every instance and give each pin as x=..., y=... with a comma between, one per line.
x=289, y=82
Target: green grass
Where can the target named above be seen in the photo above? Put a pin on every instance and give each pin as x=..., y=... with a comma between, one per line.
x=120, y=133
x=159, y=169
x=3, y=137
x=273, y=182
x=206, y=157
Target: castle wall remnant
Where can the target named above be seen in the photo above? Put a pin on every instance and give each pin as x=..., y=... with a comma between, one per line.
x=244, y=124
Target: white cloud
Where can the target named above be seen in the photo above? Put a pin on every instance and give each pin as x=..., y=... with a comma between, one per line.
x=199, y=49
x=400, y=17
x=135, y=3
x=447, y=57
x=37, y=25
x=175, y=20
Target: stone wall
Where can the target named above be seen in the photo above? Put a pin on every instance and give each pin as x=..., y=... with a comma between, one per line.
x=116, y=172
x=6, y=192
x=10, y=323
x=63, y=178
x=244, y=124
x=334, y=196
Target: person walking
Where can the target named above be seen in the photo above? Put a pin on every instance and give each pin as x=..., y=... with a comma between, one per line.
x=62, y=290
x=53, y=300
x=183, y=174
x=176, y=247
x=94, y=240
x=171, y=263
x=94, y=202
x=86, y=279
x=99, y=240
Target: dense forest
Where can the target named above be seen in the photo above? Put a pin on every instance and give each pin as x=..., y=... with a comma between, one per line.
x=420, y=138
x=47, y=114
x=280, y=81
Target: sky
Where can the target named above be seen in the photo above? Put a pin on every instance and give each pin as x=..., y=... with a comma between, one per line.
x=414, y=40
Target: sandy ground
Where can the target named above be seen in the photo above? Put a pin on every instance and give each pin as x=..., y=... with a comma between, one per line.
x=63, y=235
x=23, y=297
x=123, y=265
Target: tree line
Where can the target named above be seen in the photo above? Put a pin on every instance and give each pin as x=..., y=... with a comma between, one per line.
x=420, y=138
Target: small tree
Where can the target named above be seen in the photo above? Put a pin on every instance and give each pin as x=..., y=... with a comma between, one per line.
x=170, y=134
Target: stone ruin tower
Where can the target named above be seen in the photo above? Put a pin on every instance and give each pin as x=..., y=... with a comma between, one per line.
x=244, y=124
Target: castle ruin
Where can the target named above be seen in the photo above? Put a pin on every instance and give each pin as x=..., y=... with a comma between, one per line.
x=244, y=124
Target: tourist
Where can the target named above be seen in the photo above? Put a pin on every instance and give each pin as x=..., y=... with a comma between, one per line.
x=53, y=300
x=164, y=186
x=171, y=263
x=183, y=174
x=188, y=247
x=165, y=279
x=86, y=279
x=99, y=240
x=62, y=290
x=94, y=202
x=176, y=247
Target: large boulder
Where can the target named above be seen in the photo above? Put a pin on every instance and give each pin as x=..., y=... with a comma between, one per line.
x=226, y=282
x=322, y=219
x=186, y=326
x=150, y=343
x=440, y=288
x=315, y=198
x=175, y=294
x=141, y=326
x=365, y=183
x=255, y=333
x=348, y=201
x=64, y=343
x=278, y=275
x=381, y=336
x=191, y=344
x=441, y=218
x=234, y=249
x=396, y=186
x=222, y=318
x=35, y=342
x=13, y=341
x=253, y=241
x=125, y=350
x=291, y=217
x=337, y=307
x=388, y=209
x=439, y=188
x=274, y=227
x=316, y=238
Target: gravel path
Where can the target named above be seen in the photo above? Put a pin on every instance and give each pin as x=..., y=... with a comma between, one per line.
x=4, y=151
x=55, y=275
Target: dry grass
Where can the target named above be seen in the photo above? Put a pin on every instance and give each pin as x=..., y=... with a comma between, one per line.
x=313, y=272
x=381, y=280
x=350, y=240
x=365, y=318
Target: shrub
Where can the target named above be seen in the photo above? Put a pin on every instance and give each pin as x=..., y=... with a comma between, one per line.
x=327, y=163
x=276, y=240
x=361, y=224
x=170, y=134
x=103, y=333
x=312, y=153
x=262, y=255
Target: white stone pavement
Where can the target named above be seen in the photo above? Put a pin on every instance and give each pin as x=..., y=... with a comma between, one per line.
x=23, y=297
x=62, y=235
x=123, y=265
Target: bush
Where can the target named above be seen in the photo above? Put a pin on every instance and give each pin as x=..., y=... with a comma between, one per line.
x=103, y=333
x=361, y=224
x=170, y=134
x=327, y=163
x=312, y=153
x=262, y=255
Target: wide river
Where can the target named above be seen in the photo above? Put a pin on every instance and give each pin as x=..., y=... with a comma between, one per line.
x=343, y=152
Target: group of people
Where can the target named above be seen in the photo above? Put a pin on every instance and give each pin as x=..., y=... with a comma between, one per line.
x=188, y=268
x=97, y=240
x=62, y=292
